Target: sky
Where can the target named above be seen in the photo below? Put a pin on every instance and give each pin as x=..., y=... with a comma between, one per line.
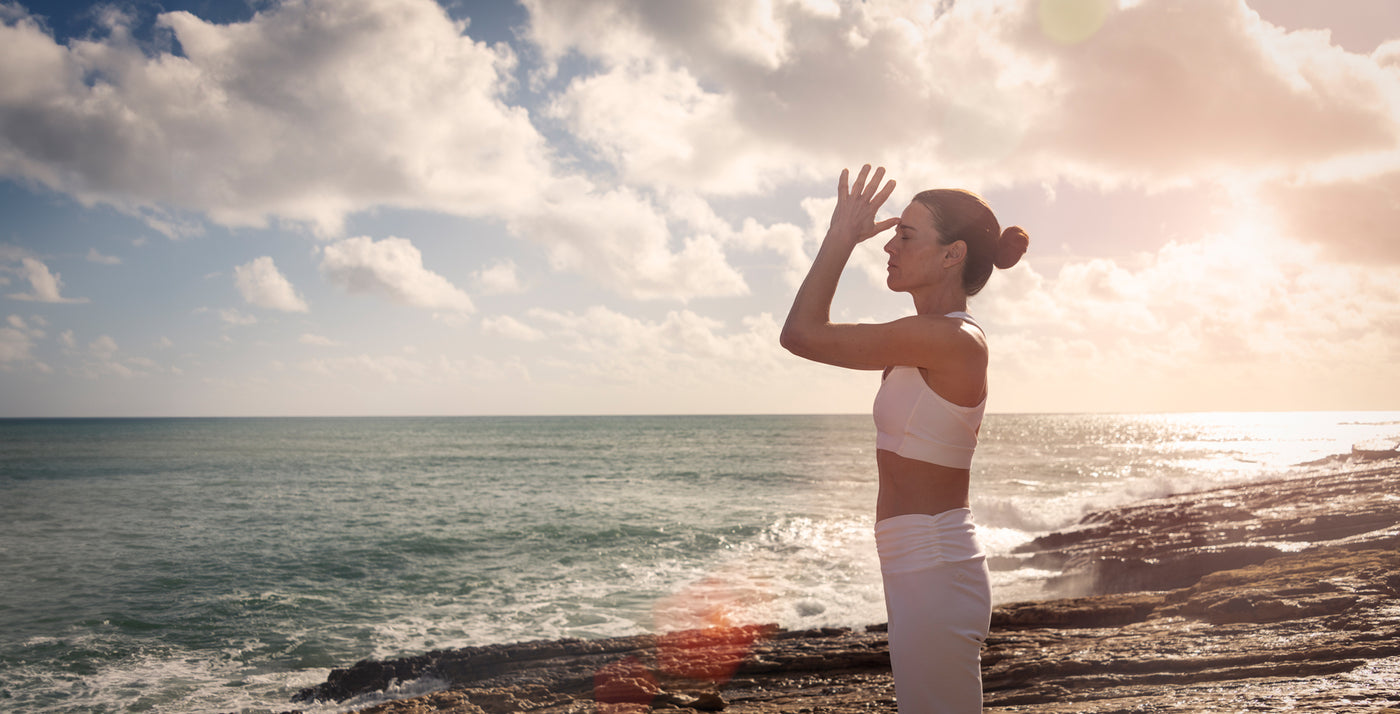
x=404, y=207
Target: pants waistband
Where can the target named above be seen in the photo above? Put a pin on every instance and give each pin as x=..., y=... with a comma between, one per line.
x=917, y=541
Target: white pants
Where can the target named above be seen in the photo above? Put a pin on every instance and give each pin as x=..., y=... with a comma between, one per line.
x=938, y=597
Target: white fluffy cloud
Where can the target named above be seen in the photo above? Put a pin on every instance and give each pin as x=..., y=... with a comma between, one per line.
x=308, y=111
x=1149, y=96
x=93, y=256
x=317, y=340
x=234, y=317
x=510, y=328
x=499, y=278
x=685, y=345
x=262, y=284
x=679, y=155
x=17, y=341
x=951, y=91
x=619, y=239
x=103, y=358
x=392, y=268
x=356, y=104
x=1196, y=325
x=1351, y=219
x=44, y=286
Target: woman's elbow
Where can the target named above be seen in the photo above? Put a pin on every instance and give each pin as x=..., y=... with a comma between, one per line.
x=788, y=337
x=794, y=340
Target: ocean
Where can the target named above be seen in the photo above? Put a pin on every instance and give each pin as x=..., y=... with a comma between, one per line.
x=194, y=565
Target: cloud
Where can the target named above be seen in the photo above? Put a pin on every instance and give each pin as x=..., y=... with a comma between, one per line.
x=234, y=317
x=44, y=285
x=355, y=104
x=510, y=328
x=683, y=341
x=620, y=240
x=17, y=345
x=103, y=347
x=318, y=340
x=732, y=97
x=787, y=240
x=19, y=323
x=498, y=279
x=95, y=257
x=1351, y=219
x=681, y=136
x=1196, y=325
x=262, y=284
x=392, y=268
x=102, y=358
x=1145, y=97
x=687, y=95
x=392, y=369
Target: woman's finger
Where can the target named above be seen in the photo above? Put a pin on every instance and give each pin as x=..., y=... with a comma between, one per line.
x=842, y=189
x=869, y=191
x=884, y=194
x=859, y=187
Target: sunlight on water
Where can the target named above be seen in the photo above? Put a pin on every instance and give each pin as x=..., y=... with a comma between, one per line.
x=197, y=565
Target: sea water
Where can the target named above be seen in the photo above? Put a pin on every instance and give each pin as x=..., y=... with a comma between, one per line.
x=190, y=565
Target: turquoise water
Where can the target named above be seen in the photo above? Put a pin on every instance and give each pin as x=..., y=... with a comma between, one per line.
x=221, y=564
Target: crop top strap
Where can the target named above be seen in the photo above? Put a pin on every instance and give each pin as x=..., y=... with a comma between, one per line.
x=965, y=318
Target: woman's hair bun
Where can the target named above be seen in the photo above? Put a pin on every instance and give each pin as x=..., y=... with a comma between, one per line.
x=1013, y=244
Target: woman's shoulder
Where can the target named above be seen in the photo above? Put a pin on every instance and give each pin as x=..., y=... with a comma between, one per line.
x=953, y=327
x=944, y=342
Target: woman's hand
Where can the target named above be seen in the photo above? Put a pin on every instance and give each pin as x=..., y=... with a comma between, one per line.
x=854, y=218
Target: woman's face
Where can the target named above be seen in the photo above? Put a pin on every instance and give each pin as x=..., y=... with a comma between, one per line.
x=916, y=256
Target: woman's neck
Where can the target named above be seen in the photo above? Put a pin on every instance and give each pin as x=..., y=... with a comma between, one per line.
x=936, y=301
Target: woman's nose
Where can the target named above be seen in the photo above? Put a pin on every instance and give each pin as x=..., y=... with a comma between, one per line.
x=889, y=246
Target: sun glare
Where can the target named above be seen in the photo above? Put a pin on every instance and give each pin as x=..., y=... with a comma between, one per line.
x=1070, y=22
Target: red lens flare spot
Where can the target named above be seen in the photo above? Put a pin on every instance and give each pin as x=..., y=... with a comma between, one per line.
x=711, y=654
x=624, y=686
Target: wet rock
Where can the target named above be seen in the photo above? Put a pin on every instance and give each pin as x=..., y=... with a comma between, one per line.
x=1170, y=543
x=1278, y=596
x=1324, y=626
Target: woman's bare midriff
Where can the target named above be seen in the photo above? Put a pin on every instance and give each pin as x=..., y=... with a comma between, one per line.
x=913, y=486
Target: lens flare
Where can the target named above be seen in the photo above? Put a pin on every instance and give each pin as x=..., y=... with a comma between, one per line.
x=624, y=686
x=1070, y=22
x=715, y=641
x=703, y=643
x=709, y=655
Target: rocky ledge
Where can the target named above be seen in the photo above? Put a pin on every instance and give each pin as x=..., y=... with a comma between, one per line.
x=1280, y=595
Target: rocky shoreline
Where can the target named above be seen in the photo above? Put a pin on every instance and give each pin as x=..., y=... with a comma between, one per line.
x=1274, y=595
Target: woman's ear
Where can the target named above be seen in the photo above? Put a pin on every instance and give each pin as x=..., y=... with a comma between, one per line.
x=953, y=253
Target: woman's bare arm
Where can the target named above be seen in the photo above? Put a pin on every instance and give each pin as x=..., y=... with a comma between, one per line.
x=928, y=341
x=808, y=324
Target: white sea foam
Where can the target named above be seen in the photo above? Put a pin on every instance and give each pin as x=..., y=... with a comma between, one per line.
x=798, y=573
x=396, y=690
x=174, y=679
x=281, y=548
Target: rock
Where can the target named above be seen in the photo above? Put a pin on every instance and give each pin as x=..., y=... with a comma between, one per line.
x=1170, y=543
x=1374, y=450
x=1274, y=596
x=1328, y=612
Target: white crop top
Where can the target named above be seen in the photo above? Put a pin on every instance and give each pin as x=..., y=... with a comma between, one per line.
x=913, y=421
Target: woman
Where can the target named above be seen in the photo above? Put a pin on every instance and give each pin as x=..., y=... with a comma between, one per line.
x=927, y=414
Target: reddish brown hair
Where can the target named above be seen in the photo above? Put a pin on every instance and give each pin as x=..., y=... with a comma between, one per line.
x=960, y=215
